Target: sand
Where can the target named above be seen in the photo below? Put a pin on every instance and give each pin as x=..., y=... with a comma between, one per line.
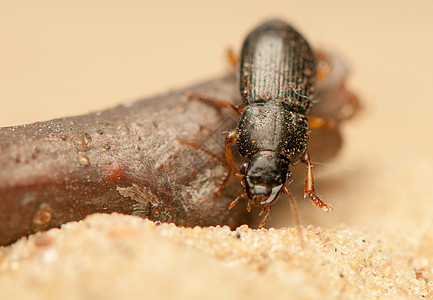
x=117, y=257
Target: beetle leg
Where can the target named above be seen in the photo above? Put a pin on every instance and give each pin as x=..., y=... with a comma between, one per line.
x=294, y=213
x=228, y=155
x=234, y=202
x=221, y=183
x=323, y=65
x=195, y=146
x=229, y=164
x=309, y=190
x=294, y=207
x=214, y=101
x=316, y=122
x=233, y=58
x=249, y=206
x=268, y=208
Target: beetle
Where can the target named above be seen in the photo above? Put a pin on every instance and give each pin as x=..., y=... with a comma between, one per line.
x=277, y=83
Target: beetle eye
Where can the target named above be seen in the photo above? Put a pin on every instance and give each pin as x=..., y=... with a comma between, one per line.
x=289, y=178
x=243, y=168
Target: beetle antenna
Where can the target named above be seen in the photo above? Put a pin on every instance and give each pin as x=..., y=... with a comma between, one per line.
x=295, y=213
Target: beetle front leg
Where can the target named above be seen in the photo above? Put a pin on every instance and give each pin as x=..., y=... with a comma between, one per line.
x=228, y=155
x=229, y=168
x=268, y=212
x=234, y=202
x=309, y=190
x=230, y=139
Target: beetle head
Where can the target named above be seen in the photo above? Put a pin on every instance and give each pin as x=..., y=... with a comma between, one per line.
x=265, y=172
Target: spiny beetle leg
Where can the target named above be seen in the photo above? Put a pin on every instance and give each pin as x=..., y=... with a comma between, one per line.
x=223, y=181
x=309, y=190
x=268, y=208
x=234, y=202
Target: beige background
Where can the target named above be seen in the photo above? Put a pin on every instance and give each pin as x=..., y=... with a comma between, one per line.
x=62, y=59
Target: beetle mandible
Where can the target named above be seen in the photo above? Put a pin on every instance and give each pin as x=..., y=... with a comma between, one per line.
x=277, y=79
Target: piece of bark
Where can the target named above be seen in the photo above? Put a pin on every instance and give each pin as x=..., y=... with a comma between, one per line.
x=128, y=159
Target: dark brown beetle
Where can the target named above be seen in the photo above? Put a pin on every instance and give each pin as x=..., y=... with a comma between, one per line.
x=277, y=79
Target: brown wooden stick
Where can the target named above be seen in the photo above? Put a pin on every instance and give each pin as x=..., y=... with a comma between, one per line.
x=124, y=159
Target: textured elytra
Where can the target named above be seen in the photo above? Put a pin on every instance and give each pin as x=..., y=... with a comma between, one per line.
x=277, y=64
x=277, y=85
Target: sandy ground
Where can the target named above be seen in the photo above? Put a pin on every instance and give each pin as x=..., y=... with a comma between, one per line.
x=117, y=256
x=377, y=243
